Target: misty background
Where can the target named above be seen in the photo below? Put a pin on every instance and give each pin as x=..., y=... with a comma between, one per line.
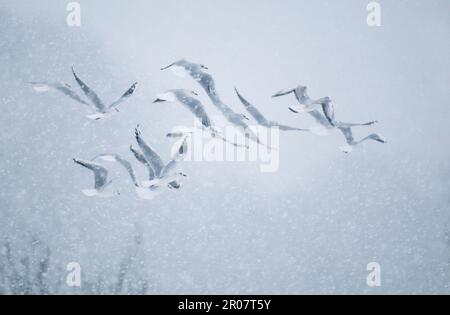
x=311, y=227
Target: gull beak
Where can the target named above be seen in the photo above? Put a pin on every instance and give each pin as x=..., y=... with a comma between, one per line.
x=158, y=100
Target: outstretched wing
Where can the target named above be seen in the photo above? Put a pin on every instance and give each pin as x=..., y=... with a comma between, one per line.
x=195, y=106
x=349, y=125
x=348, y=134
x=207, y=83
x=297, y=92
x=319, y=118
x=376, y=137
x=138, y=155
x=100, y=172
x=61, y=87
x=328, y=111
x=125, y=96
x=117, y=158
x=286, y=127
x=300, y=94
x=179, y=155
x=252, y=110
x=283, y=93
x=90, y=93
x=150, y=155
x=141, y=158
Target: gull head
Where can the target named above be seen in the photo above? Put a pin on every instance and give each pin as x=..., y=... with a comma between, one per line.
x=164, y=97
x=174, y=185
x=105, y=192
x=346, y=149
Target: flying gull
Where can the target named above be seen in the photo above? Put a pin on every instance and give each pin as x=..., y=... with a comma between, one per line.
x=326, y=119
x=196, y=71
x=144, y=191
x=261, y=119
x=94, y=102
x=346, y=128
x=351, y=143
x=328, y=111
x=102, y=185
x=160, y=172
x=112, y=157
x=306, y=104
x=187, y=99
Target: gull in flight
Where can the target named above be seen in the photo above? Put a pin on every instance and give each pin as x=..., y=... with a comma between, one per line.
x=94, y=102
x=261, y=119
x=160, y=174
x=346, y=130
x=328, y=111
x=102, y=185
x=351, y=143
x=184, y=68
x=306, y=104
x=187, y=99
x=329, y=119
x=112, y=157
x=146, y=190
x=310, y=106
x=326, y=119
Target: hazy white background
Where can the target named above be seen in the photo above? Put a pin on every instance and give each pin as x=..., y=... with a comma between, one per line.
x=313, y=226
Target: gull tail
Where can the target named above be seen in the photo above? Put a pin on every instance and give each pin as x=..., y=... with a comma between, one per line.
x=90, y=192
x=145, y=193
x=40, y=87
x=96, y=116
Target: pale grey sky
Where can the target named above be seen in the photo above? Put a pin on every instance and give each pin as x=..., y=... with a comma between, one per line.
x=311, y=227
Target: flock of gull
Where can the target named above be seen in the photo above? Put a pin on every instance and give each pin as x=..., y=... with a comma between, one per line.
x=166, y=175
